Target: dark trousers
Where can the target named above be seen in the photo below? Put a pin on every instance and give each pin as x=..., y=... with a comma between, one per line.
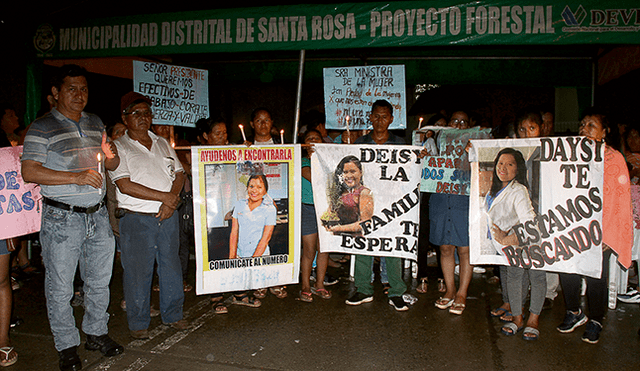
x=597, y=291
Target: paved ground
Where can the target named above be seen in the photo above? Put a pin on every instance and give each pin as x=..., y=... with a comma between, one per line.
x=328, y=335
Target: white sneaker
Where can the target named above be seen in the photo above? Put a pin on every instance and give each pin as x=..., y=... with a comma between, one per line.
x=631, y=297
x=479, y=270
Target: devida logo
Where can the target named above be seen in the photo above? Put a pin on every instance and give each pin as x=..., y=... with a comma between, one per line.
x=601, y=20
x=573, y=19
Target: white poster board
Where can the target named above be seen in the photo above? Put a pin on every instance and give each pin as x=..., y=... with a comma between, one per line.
x=179, y=95
x=350, y=92
x=220, y=177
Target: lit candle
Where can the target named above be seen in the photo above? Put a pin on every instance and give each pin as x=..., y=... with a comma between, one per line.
x=420, y=123
x=348, y=132
x=100, y=170
x=242, y=131
x=282, y=136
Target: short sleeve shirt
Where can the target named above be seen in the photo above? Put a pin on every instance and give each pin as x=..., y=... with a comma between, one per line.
x=307, y=190
x=154, y=168
x=61, y=144
x=251, y=224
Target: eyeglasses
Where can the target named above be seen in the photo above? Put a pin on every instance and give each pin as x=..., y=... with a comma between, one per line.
x=138, y=114
x=461, y=122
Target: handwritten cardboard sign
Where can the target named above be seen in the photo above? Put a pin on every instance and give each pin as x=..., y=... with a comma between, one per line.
x=350, y=92
x=179, y=95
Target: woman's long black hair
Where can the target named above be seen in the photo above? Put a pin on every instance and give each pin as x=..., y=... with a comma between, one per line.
x=521, y=174
x=337, y=187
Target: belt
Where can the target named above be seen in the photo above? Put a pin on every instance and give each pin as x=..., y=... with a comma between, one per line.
x=76, y=209
x=127, y=211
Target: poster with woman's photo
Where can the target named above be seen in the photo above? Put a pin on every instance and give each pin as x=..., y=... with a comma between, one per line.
x=367, y=198
x=537, y=203
x=246, y=212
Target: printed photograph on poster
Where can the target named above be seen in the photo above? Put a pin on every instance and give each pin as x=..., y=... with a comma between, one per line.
x=244, y=207
x=19, y=201
x=526, y=211
x=446, y=169
x=367, y=198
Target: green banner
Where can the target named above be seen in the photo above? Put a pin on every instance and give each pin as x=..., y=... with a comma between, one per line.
x=350, y=25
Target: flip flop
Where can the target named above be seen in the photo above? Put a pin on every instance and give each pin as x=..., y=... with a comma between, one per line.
x=422, y=286
x=507, y=317
x=457, y=308
x=278, y=291
x=510, y=329
x=499, y=312
x=5, y=361
x=260, y=293
x=218, y=305
x=533, y=333
x=246, y=300
x=305, y=296
x=321, y=293
x=443, y=303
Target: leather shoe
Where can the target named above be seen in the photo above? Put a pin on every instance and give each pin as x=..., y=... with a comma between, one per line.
x=139, y=334
x=179, y=325
x=104, y=344
x=69, y=359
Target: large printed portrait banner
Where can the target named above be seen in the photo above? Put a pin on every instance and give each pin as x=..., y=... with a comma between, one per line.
x=19, y=201
x=367, y=198
x=446, y=169
x=349, y=93
x=537, y=203
x=246, y=203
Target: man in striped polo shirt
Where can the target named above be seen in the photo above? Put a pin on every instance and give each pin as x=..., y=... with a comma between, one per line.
x=65, y=151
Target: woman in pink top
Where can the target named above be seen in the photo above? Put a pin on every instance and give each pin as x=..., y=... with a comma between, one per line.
x=617, y=235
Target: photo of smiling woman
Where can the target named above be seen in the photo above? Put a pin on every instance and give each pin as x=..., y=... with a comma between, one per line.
x=253, y=221
x=350, y=202
x=508, y=204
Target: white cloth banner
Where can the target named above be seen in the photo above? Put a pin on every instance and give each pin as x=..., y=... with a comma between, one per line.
x=555, y=212
x=367, y=198
x=230, y=259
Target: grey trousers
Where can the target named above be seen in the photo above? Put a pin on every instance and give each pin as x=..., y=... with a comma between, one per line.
x=504, y=279
x=518, y=280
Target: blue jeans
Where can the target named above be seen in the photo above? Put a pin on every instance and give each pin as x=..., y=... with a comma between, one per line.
x=384, y=277
x=144, y=240
x=70, y=239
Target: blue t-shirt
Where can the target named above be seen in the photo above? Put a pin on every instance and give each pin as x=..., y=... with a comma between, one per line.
x=251, y=224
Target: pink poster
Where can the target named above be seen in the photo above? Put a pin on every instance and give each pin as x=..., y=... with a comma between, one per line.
x=19, y=202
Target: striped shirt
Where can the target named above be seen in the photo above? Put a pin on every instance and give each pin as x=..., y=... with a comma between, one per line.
x=61, y=144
